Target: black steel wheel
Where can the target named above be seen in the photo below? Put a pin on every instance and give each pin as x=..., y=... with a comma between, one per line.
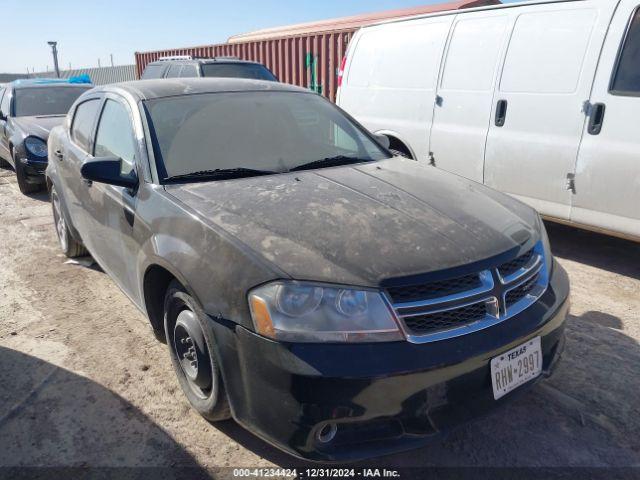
x=192, y=350
x=24, y=186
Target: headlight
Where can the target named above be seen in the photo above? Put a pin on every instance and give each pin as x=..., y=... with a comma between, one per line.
x=546, y=246
x=36, y=146
x=309, y=312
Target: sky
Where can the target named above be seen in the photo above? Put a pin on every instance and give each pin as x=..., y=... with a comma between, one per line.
x=92, y=30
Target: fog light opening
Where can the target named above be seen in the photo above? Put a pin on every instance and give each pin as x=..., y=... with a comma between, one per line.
x=327, y=432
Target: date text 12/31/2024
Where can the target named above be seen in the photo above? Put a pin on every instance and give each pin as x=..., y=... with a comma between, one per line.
x=316, y=473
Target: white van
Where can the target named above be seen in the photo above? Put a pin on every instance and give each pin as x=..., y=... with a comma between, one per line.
x=539, y=99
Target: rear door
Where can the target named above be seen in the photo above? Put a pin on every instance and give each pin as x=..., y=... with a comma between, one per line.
x=539, y=109
x=391, y=76
x=607, y=176
x=465, y=93
x=75, y=153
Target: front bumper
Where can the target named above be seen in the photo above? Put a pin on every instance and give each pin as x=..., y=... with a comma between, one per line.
x=385, y=397
x=34, y=169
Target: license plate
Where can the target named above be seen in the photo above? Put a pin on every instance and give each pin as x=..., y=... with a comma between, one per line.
x=511, y=369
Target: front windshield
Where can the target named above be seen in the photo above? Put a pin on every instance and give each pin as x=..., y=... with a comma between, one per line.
x=265, y=131
x=45, y=100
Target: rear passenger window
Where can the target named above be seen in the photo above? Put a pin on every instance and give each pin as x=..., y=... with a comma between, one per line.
x=548, y=63
x=627, y=75
x=189, y=71
x=115, y=136
x=5, y=104
x=83, y=122
x=152, y=71
x=174, y=71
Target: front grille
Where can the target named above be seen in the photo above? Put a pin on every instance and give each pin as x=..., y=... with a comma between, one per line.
x=518, y=293
x=438, y=321
x=433, y=290
x=509, y=268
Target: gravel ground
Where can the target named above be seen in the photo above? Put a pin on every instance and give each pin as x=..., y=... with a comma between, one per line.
x=84, y=383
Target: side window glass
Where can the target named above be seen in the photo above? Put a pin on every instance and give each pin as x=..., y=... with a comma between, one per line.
x=5, y=103
x=152, y=71
x=115, y=136
x=189, y=71
x=83, y=122
x=627, y=76
x=174, y=71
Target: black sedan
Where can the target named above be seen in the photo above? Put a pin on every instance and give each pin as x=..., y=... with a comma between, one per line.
x=29, y=109
x=337, y=301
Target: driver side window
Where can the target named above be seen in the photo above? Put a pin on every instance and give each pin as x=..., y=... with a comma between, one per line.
x=115, y=136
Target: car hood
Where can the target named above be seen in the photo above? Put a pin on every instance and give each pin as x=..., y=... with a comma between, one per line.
x=38, y=126
x=366, y=223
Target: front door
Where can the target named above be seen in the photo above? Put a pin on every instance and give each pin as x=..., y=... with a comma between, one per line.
x=607, y=176
x=465, y=93
x=5, y=104
x=539, y=109
x=111, y=208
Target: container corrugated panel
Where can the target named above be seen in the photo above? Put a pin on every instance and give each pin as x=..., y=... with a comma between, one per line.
x=309, y=59
x=99, y=76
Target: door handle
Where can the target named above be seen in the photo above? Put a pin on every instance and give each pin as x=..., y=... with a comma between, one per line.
x=59, y=154
x=501, y=113
x=596, y=118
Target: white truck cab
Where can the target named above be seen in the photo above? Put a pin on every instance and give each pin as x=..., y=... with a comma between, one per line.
x=540, y=100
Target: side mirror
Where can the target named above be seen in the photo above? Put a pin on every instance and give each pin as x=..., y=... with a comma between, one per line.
x=382, y=140
x=107, y=170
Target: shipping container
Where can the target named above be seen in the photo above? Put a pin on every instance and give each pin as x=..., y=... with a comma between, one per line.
x=307, y=54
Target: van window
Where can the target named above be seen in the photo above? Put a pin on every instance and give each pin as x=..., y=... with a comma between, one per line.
x=115, y=136
x=83, y=122
x=627, y=76
x=546, y=52
x=152, y=71
x=403, y=56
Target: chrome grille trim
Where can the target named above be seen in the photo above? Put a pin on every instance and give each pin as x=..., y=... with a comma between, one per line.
x=493, y=292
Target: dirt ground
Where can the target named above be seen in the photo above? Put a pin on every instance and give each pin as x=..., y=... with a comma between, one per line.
x=83, y=382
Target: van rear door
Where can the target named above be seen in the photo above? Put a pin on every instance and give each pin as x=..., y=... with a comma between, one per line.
x=465, y=93
x=607, y=175
x=538, y=111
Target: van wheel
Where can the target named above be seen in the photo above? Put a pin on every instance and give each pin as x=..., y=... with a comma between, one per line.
x=24, y=186
x=191, y=347
x=69, y=245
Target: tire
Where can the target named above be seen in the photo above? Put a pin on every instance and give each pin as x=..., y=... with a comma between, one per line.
x=24, y=186
x=191, y=348
x=69, y=245
x=4, y=164
x=399, y=153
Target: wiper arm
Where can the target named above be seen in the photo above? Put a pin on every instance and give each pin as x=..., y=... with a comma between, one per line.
x=329, y=162
x=220, y=174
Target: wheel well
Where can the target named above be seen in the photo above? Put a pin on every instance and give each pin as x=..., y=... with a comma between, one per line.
x=155, y=284
x=396, y=144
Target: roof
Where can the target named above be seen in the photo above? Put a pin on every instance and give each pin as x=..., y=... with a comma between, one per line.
x=201, y=60
x=168, y=87
x=355, y=21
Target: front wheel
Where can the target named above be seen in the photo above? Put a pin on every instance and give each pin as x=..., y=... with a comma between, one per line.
x=69, y=245
x=24, y=186
x=191, y=347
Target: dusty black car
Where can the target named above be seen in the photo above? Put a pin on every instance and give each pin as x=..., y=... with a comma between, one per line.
x=337, y=301
x=29, y=109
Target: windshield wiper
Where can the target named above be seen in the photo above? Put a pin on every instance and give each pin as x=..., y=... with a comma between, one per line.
x=220, y=174
x=329, y=162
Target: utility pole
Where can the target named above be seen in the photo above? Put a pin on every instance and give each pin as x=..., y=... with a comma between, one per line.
x=98, y=63
x=111, y=55
x=54, y=51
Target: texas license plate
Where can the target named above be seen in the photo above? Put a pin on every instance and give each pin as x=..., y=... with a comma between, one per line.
x=511, y=369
